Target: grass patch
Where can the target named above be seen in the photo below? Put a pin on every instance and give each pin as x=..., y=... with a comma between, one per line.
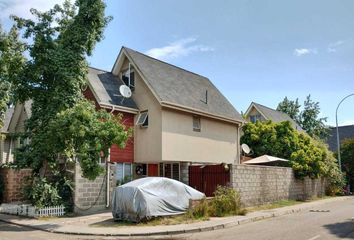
x=283, y=203
x=278, y=204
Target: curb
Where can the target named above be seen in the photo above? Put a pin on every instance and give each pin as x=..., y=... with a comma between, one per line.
x=217, y=226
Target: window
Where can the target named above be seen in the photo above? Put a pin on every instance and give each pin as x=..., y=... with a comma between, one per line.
x=255, y=118
x=143, y=119
x=170, y=170
x=196, y=124
x=123, y=172
x=128, y=78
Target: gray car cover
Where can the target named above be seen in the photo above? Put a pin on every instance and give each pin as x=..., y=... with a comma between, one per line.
x=149, y=197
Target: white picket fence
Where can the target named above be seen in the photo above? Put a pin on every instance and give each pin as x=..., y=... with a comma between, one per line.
x=31, y=211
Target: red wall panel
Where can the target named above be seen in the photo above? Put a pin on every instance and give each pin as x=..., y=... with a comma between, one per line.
x=117, y=154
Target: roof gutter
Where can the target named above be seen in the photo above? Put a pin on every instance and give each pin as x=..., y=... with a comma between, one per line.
x=196, y=111
x=118, y=108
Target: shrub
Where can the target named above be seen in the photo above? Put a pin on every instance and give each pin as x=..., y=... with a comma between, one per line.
x=227, y=201
x=43, y=193
x=200, y=210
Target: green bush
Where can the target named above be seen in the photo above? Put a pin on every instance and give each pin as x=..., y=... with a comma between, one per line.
x=200, y=210
x=44, y=193
x=226, y=202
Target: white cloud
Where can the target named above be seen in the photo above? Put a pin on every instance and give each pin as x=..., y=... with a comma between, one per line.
x=304, y=51
x=332, y=47
x=180, y=48
x=22, y=8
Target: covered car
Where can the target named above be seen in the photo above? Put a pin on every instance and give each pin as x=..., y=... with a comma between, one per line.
x=149, y=197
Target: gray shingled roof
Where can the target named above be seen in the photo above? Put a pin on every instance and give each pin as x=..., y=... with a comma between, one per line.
x=178, y=86
x=106, y=87
x=8, y=115
x=276, y=116
x=344, y=133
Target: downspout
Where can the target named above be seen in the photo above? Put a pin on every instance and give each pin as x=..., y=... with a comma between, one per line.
x=238, y=161
x=108, y=160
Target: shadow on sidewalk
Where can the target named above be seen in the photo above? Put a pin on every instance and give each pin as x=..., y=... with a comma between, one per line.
x=7, y=227
x=342, y=229
x=13, y=222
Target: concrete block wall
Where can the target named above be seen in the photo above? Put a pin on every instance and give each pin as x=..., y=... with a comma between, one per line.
x=264, y=184
x=14, y=181
x=90, y=196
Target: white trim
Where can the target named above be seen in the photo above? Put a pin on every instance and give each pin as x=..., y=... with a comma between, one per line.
x=118, y=108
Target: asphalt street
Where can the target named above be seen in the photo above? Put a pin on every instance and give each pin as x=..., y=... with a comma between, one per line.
x=333, y=220
x=327, y=221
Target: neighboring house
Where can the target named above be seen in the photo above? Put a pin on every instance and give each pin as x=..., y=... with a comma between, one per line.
x=4, y=137
x=345, y=132
x=179, y=118
x=258, y=112
x=14, y=123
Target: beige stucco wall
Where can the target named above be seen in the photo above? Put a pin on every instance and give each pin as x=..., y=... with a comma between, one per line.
x=147, y=141
x=215, y=143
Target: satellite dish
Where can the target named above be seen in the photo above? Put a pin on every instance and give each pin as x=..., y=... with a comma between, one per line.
x=245, y=148
x=125, y=91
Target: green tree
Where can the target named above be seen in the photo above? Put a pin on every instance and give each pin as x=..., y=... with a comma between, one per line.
x=290, y=107
x=58, y=42
x=11, y=64
x=347, y=158
x=310, y=120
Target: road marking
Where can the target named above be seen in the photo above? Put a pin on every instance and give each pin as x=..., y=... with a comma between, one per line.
x=315, y=237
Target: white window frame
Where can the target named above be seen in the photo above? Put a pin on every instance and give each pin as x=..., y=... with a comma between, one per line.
x=127, y=73
x=123, y=170
x=179, y=170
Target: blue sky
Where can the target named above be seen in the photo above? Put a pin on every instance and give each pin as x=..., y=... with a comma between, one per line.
x=251, y=50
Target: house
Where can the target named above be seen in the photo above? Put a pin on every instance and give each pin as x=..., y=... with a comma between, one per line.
x=15, y=117
x=183, y=118
x=180, y=119
x=4, y=138
x=258, y=112
x=344, y=133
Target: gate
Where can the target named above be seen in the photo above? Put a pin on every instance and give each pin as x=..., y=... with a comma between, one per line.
x=206, y=178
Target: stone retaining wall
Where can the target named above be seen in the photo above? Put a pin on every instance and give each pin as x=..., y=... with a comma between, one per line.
x=14, y=181
x=264, y=184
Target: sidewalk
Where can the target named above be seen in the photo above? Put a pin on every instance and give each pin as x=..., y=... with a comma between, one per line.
x=83, y=225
